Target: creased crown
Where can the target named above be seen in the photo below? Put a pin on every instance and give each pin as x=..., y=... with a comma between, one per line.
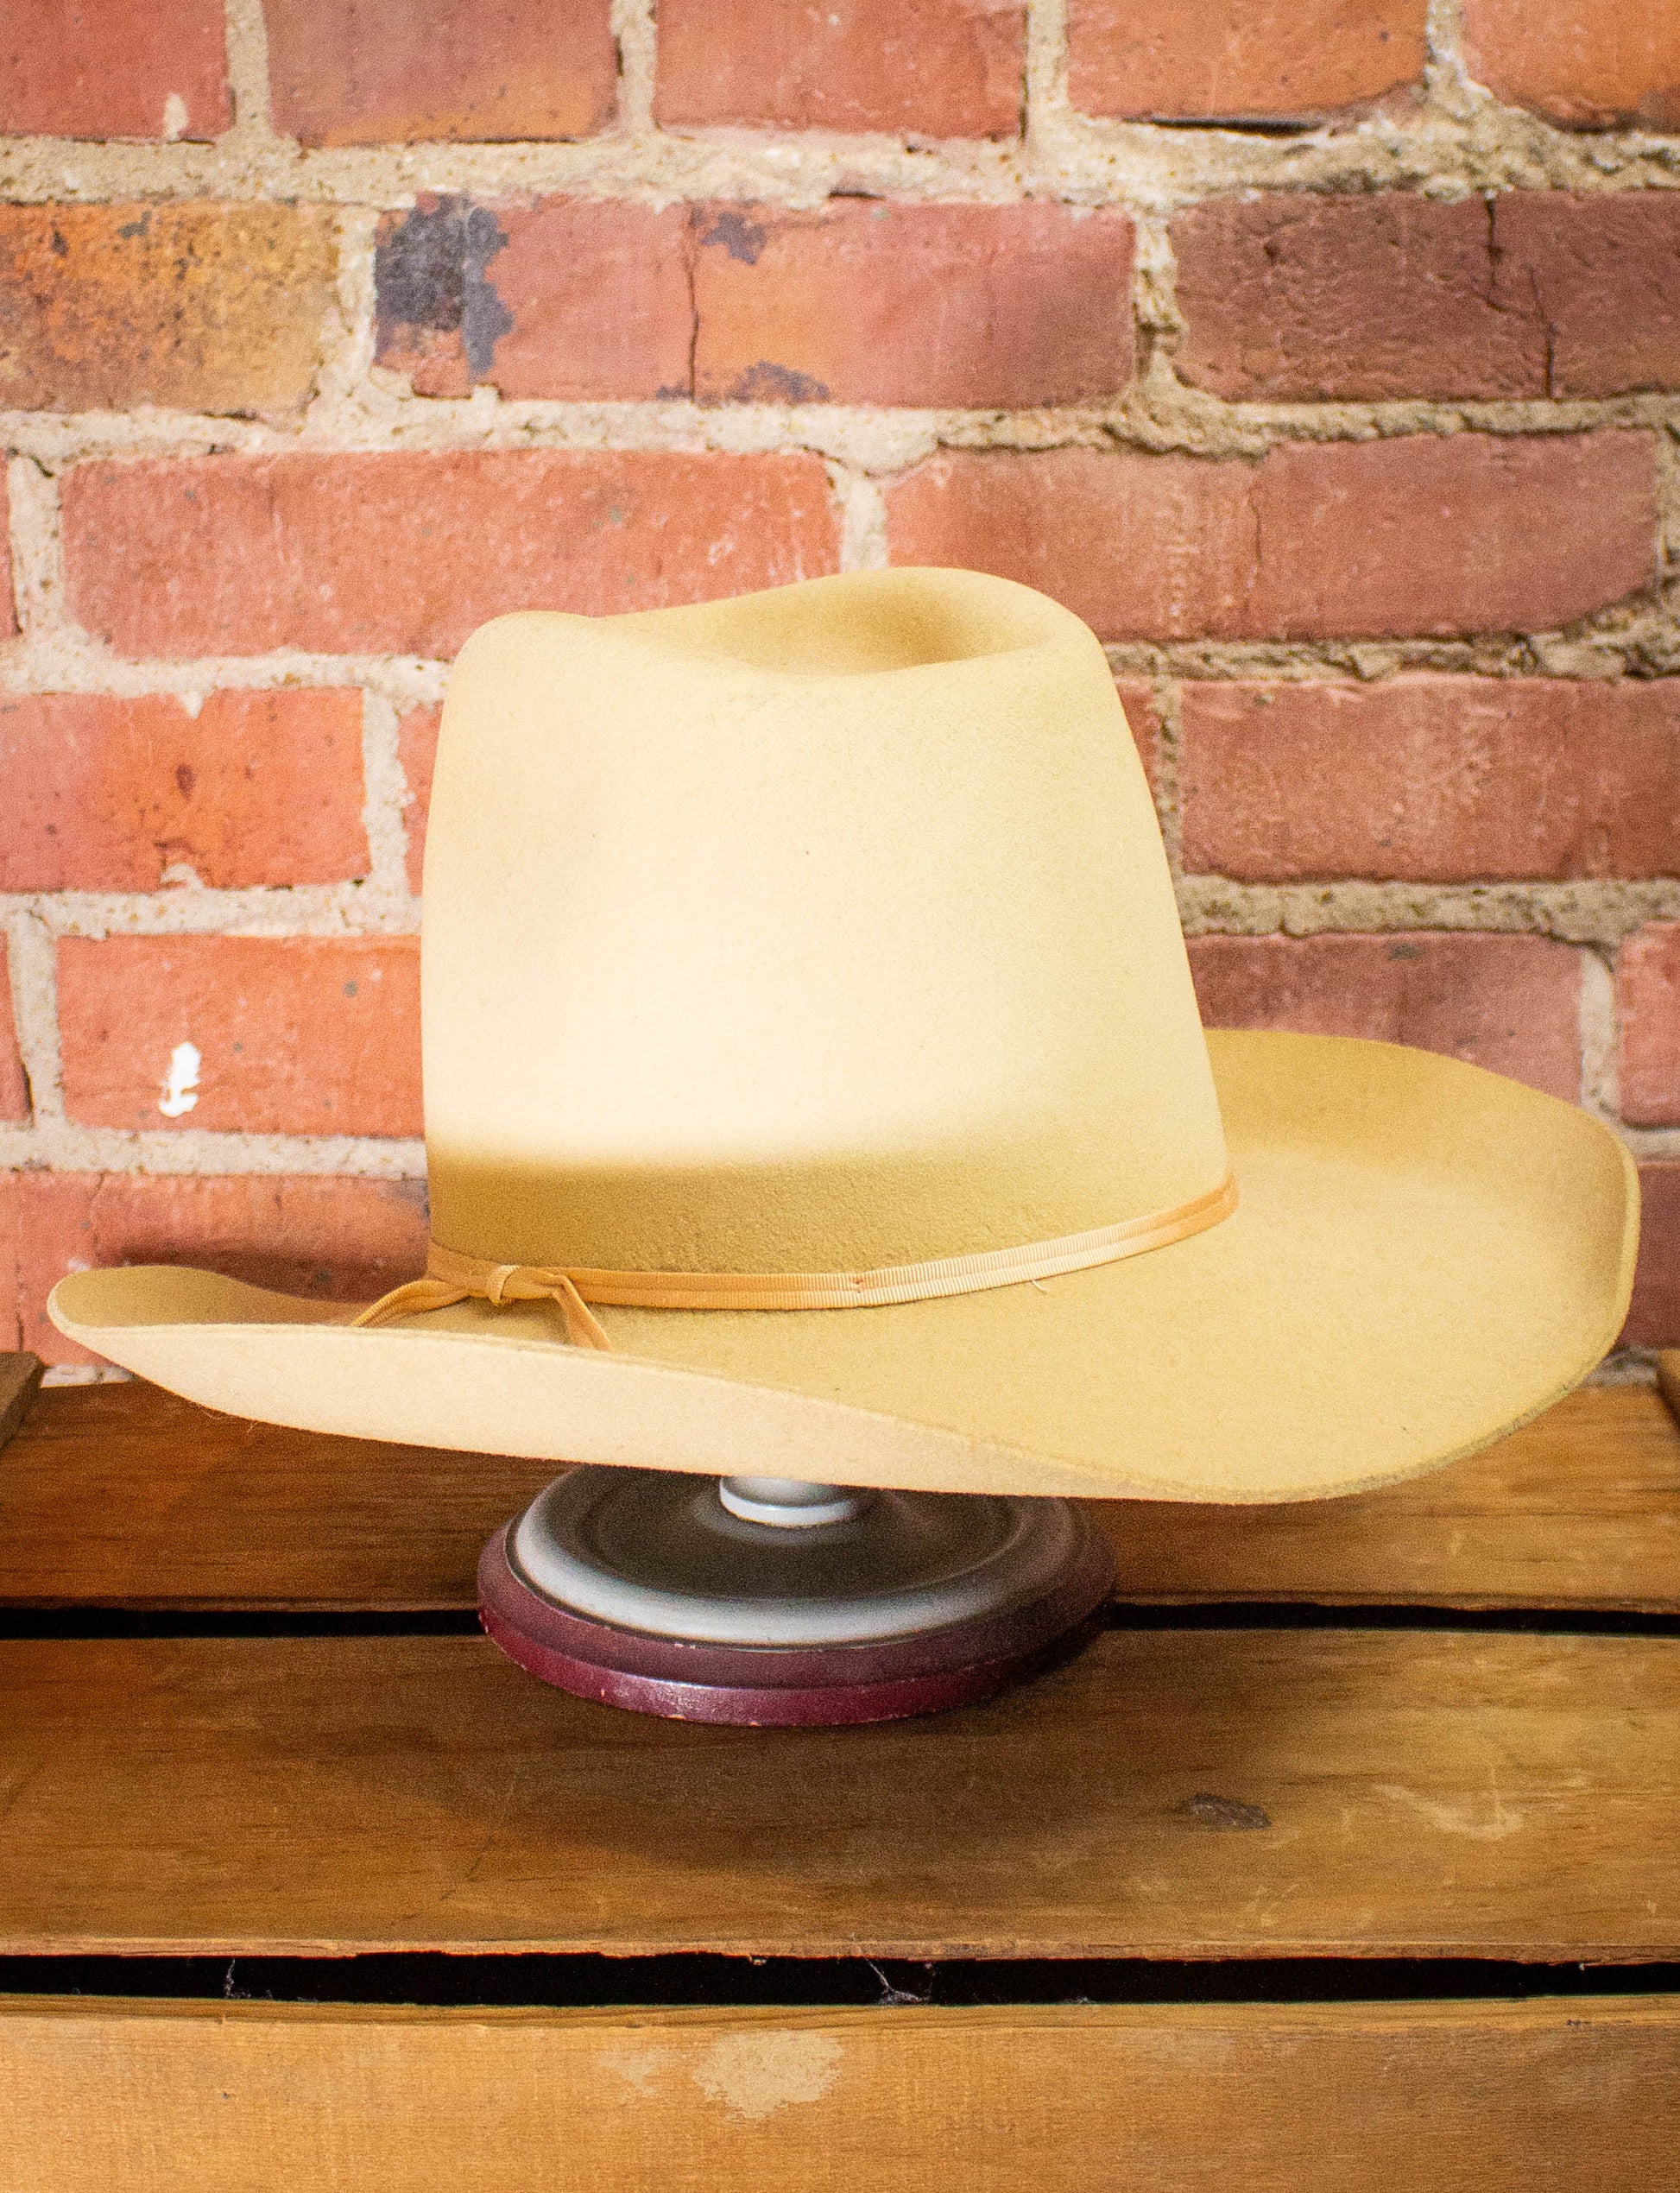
x=821, y=929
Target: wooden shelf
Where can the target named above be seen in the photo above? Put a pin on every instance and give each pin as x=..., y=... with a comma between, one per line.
x=1209, y=1793
x=1418, y=2098
x=243, y=1712
x=121, y=1495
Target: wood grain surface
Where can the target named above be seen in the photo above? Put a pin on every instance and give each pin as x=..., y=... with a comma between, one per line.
x=1412, y=2098
x=1173, y=1794
x=20, y=1377
x=122, y=1496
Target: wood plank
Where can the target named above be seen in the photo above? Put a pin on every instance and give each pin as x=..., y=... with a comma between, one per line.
x=1176, y=1793
x=1668, y=1378
x=20, y=1377
x=122, y=1495
x=1580, y=1508
x=1413, y=2098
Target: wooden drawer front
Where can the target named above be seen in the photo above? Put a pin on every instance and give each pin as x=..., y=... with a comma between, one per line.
x=1424, y=2098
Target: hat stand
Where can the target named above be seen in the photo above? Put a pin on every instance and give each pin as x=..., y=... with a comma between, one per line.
x=766, y=1599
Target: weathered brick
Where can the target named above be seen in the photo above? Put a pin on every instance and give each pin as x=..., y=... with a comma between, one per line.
x=1588, y=64
x=1143, y=714
x=1139, y=546
x=1450, y=534
x=107, y=794
x=337, y=1239
x=1648, y=1003
x=1653, y=1315
x=107, y=68
x=1509, y=1003
x=199, y=308
x=1298, y=297
x=862, y=302
x=939, y=68
x=1422, y=534
x=14, y=1082
x=1605, y=274
x=8, y=607
x=512, y=295
x=1294, y=296
x=395, y=72
x=417, y=750
x=407, y=552
x=1236, y=61
x=1431, y=779
x=856, y=301
x=293, y=1035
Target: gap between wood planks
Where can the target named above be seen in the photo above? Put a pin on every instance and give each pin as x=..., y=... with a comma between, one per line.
x=444, y=1980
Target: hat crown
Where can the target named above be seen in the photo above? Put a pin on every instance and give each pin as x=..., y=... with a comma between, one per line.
x=817, y=929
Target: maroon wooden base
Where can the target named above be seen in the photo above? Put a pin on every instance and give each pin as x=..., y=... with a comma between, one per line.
x=789, y=1686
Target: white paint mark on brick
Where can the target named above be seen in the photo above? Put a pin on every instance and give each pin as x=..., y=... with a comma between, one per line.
x=175, y=118
x=180, y=1085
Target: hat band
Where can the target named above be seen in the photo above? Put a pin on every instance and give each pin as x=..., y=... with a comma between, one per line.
x=451, y=1277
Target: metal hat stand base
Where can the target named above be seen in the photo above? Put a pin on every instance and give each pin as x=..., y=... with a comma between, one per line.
x=763, y=1601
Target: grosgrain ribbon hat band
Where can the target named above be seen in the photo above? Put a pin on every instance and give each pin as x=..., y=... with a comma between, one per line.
x=451, y=1277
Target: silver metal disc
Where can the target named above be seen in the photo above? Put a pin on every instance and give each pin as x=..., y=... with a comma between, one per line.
x=657, y=1551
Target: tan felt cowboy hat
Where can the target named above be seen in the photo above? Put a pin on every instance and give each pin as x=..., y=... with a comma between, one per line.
x=814, y=1087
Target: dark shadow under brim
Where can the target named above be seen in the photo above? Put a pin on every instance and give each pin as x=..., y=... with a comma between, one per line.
x=1423, y=1256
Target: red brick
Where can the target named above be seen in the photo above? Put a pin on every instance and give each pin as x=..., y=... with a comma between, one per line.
x=1240, y=59
x=107, y=68
x=856, y=301
x=1298, y=297
x=1653, y=1315
x=1295, y=296
x=337, y=1239
x=1421, y=534
x=106, y=794
x=1431, y=780
x=8, y=607
x=1588, y=64
x=295, y=1035
x=1139, y=546
x=395, y=72
x=512, y=295
x=1144, y=715
x=408, y=553
x=863, y=302
x=200, y=308
x=1648, y=1003
x=1450, y=534
x=940, y=68
x=1605, y=276
x=1509, y=1003
x=417, y=750
x=14, y=1082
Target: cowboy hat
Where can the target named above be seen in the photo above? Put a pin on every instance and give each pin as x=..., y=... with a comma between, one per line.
x=815, y=1087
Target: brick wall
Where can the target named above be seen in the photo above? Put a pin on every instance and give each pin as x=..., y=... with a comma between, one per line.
x=1325, y=357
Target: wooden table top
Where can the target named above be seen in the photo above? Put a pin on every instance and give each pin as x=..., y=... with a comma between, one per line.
x=1200, y=1785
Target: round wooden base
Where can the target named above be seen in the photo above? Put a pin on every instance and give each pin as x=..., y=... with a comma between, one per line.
x=793, y=1686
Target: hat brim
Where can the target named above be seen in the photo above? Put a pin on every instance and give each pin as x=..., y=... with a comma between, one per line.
x=1424, y=1255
